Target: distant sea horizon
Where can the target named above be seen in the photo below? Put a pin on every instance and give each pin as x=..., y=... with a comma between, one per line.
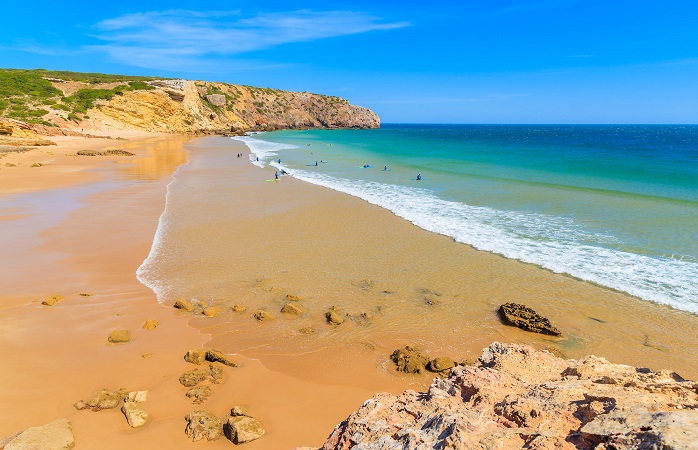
x=616, y=205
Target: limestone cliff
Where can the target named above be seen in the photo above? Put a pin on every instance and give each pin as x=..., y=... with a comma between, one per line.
x=515, y=397
x=197, y=107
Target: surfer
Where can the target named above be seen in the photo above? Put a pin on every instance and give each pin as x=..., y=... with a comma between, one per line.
x=385, y=168
x=419, y=177
x=316, y=163
x=276, y=175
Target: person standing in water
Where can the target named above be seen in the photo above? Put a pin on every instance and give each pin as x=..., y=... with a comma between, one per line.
x=419, y=177
x=276, y=175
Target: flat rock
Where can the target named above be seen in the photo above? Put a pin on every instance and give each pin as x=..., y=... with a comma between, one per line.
x=239, y=308
x=52, y=300
x=150, y=324
x=263, y=316
x=293, y=298
x=527, y=319
x=203, y=424
x=106, y=399
x=195, y=356
x=136, y=416
x=291, y=309
x=137, y=396
x=410, y=359
x=57, y=435
x=119, y=336
x=212, y=311
x=242, y=429
x=184, y=305
x=334, y=316
x=199, y=394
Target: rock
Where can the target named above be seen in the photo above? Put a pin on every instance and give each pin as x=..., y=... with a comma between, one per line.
x=36, y=165
x=218, y=356
x=117, y=152
x=199, y=394
x=293, y=298
x=80, y=405
x=203, y=425
x=263, y=316
x=146, y=355
x=516, y=397
x=119, y=336
x=527, y=319
x=334, y=317
x=150, y=324
x=191, y=378
x=57, y=435
x=242, y=429
x=211, y=311
x=136, y=416
x=291, y=309
x=238, y=411
x=137, y=396
x=239, y=308
x=85, y=294
x=410, y=360
x=89, y=153
x=216, y=372
x=196, y=356
x=216, y=99
x=52, y=300
x=443, y=364
x=106, y=399
x=307, y=330
x=183, y=305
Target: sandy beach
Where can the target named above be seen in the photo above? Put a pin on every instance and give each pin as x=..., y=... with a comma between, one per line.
x=83, y=225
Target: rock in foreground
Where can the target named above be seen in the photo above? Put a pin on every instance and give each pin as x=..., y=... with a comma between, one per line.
x=516, y=397
x=57, y=435
x=527, y=319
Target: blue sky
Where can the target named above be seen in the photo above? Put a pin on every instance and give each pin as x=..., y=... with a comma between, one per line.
x=494, y=61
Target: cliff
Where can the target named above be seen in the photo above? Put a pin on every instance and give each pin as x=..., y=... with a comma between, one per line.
x=515, y=397
x=65, y=102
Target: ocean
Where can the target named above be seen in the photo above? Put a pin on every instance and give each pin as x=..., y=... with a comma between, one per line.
x=616, y=205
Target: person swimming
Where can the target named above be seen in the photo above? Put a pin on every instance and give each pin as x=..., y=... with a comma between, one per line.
x=419, y=177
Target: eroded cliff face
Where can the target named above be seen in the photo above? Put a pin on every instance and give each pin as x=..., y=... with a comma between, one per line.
x=197, y=107
x=515, y=397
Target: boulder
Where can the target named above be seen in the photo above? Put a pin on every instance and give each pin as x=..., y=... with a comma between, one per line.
x=211, y=311
x=52, y=300
x=184, y=305
x=191, y=378
x=219, y=356
x=527, y=319
x=136, y=416
x=57, y=435
x=263, y=316
x=441, y=365
x=119, y=336
x=291, y=309
x=195, y=356
x=199, y=394
x=410, y=359
x=216, y=99
x=334, y=316
x=242, y=429
x=106, y=399
x=203, y=425
x=150, y=324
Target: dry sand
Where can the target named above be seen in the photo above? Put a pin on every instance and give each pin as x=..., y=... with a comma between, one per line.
x=83, y=225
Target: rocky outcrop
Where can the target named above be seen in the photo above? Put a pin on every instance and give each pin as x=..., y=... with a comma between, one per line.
x=57, y=435
x=527, y=319
x=516, y=397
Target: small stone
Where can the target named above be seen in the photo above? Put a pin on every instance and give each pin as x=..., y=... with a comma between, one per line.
x=57, y=435
x=136, y=416
x=36, y=165
x=211, y=311
x=307, y=330
x=527, y=319
x=409, y=359
x=191, y=378
x=239, y=308
x=219, y=356
x=291, y=309
x=199, y=394
x=242, y=429
x=52, y=300
x=119, y=336
x=80, y=405
x=263, y=316
x=196, y=356
x=333, y=316
x=293, y=298
x=146, y=355
x=85, y=294
x=203, y=425
x=183, y=305
x=238, y=411
x=150, y=324
x=137, y=396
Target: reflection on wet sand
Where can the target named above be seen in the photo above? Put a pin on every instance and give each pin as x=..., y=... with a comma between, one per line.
x=162, y=158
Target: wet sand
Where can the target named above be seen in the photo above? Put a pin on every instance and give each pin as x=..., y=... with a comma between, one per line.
x=89, y=232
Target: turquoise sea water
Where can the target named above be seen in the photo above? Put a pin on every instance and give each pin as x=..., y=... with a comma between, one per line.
x=616, y=205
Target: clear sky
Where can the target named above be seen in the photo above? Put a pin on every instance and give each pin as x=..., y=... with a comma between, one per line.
x=485, y=61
